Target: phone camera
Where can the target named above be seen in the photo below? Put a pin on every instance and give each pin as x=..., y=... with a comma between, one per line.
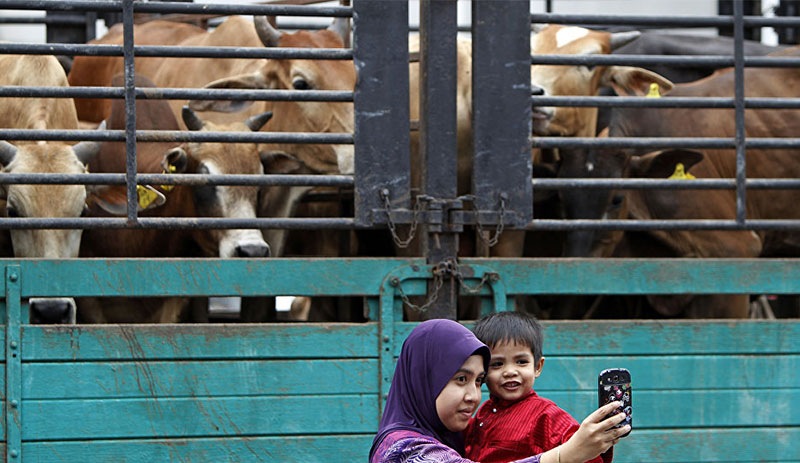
x=616, y=378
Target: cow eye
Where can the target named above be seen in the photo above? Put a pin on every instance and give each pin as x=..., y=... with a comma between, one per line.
x=616, y=201
x=12, y=212
x=301, y=84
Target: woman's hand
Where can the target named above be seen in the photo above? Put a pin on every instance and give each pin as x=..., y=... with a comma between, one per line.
x=595, y=436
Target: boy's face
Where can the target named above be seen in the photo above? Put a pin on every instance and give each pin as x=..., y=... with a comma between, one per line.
x=512, y=370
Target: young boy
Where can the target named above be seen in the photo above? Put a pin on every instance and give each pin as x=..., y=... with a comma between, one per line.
x=515, y=422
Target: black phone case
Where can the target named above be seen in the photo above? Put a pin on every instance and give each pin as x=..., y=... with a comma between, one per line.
x=614, y=384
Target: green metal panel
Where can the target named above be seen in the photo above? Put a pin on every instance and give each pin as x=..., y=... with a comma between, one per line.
x=646, y=276
x=220, y=277
x=236, y=341
x=730, y=445
x=188, y=378
x=315, y=449
x=313, y=392
x=167, y=417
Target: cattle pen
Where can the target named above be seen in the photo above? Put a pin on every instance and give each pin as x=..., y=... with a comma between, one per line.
x=408, y=238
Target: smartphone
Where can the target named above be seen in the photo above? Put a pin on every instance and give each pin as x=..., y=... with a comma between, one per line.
x=614, y=384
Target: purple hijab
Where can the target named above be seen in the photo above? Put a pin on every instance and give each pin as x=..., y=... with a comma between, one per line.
x=431, y=355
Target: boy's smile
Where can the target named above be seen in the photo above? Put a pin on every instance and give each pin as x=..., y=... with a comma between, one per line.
x=512, y=370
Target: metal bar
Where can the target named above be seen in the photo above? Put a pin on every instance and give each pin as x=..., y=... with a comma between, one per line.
x=130, y=110
x=171, y=223
x=180, y=179
x=660, y=143
x=438, y=150
x=13, y=364
x=382, y=140
x=664, y=102
x=178, y=93
x=665, y=184
x=501, y=114
x=738, y=90
x=644, y=225
x=659, y=20
x=181, y=8
x=179, y=135
x=678, y=60
x=178, y=52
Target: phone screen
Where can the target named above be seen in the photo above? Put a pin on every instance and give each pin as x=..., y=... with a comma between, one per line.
x=614, y=384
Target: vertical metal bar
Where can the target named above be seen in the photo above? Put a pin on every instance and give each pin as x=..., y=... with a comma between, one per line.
x=438, y=30
x=13, y=365
x=130, y=109
x=501, y=114
x=738, y=69
x=381, y=109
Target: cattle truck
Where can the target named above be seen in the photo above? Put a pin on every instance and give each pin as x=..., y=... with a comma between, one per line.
x=259, y=387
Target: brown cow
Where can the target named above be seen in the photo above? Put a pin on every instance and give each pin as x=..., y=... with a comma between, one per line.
x=56, y=201
x=700, y=204
x=98, y=71
x=181, y=201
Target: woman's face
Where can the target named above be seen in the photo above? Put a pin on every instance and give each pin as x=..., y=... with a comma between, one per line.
x=462, y=395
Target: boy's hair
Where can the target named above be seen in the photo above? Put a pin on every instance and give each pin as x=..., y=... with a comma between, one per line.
x=519, y=327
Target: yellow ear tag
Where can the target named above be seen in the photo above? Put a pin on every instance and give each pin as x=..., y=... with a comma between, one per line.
x=653, y=92
x=147, y=196
x=172, y=170
x=680, y=173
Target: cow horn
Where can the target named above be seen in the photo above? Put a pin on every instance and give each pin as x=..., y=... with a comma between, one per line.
x=269, y=35
x=255, y=123
x=537, y=27
x=342, y=27
x=190, y=119
x=86, y=150
x=619, y=39
x=7, y=152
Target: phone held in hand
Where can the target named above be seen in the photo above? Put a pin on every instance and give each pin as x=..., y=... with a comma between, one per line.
x=614, y=384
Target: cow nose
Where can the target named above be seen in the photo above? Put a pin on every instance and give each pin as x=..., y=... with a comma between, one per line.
x=52, y=311
x=536, y=90
x=253, y=250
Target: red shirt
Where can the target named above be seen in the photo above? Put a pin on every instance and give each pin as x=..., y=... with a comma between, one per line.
x=503, y=431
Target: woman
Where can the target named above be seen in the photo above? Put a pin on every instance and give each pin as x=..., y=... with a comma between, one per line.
x=436, y=389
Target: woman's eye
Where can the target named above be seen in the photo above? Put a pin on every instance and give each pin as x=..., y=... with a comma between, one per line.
x=301, y=84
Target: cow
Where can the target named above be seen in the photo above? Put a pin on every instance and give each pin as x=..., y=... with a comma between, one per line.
x=98, y=71
x=180, y=201
x=23, y=157
x=695, y=204
x=652, y=43
x=258, y=73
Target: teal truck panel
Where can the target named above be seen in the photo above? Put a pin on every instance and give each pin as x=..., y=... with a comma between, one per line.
x=704, y=390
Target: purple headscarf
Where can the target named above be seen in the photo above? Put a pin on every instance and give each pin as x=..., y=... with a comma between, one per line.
x=431, y=355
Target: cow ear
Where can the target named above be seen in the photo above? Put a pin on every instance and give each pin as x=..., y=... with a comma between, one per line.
x=632, y=81
x=245, y=81
x=280, y=162
x=175, y=161
x=661, y=164
x=111, y=199
x=114, y=199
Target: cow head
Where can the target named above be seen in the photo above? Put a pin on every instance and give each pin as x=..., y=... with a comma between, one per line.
x=581, y=80
x=228, y=201
x=300, y=74
x=45, y=201
x=609, y=204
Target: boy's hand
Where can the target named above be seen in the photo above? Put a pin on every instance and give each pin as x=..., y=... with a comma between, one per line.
x=595, y=435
